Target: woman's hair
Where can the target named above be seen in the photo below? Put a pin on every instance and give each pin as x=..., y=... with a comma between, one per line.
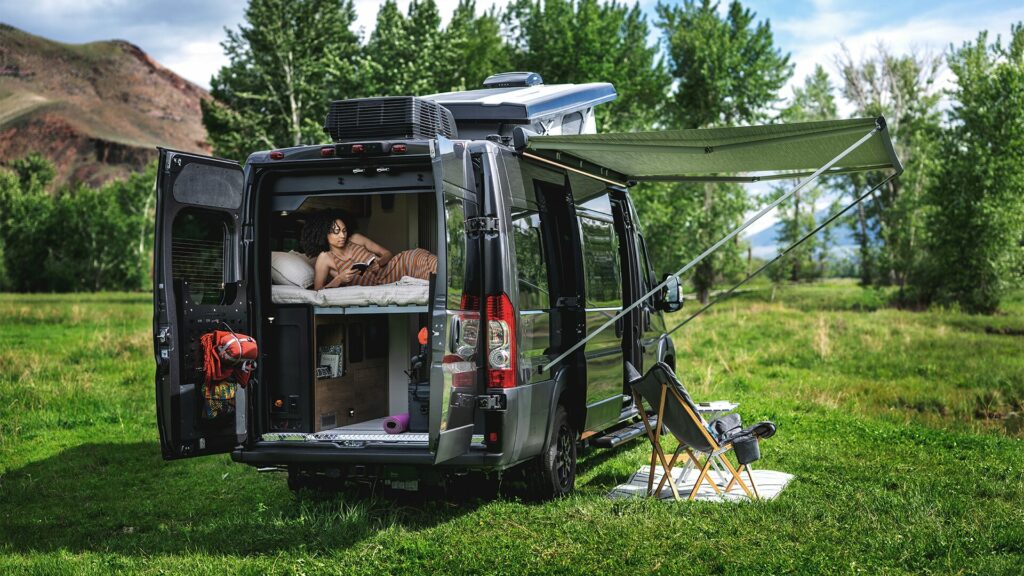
x=317, y=226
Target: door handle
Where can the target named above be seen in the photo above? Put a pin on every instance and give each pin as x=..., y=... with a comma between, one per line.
x=647, y=318
x=618, y=328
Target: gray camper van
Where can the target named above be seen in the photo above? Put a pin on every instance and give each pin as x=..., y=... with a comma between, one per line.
x=532, y=257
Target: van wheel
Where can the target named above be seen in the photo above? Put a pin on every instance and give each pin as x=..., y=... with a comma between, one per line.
x=553, y=474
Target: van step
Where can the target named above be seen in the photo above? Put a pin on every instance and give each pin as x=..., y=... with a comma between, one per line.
x=622, y=435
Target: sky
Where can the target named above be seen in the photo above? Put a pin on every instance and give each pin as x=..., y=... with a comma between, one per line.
x=185, y=35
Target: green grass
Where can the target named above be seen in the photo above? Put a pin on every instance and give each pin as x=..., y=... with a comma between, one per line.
x=894, y=424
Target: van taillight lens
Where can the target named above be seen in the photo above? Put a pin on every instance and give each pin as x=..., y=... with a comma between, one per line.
x=501, y=342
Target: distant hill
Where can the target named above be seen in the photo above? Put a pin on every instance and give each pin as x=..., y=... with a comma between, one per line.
x=764, y=244
x=96, y=110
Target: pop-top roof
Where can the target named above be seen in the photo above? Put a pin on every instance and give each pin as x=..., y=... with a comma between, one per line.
x=523, y=105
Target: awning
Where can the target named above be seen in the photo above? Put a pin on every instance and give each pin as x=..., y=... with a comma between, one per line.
x=740, y=154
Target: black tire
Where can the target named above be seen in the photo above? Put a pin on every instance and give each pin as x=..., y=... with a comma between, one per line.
x=553, y=473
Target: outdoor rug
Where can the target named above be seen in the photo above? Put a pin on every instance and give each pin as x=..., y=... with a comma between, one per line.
x=769, y=485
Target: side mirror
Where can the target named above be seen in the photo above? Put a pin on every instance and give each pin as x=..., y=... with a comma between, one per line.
x=671, y=296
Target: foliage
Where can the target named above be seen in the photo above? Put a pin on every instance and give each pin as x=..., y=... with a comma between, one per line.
x=285, y=64
x=976, y=225
x=849, y=382
x=578, y=41
x=727, y=71
x=77, y=239
x=889, y=227
x=812, y=101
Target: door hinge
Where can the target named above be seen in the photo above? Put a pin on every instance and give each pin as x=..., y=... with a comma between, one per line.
x=492, y=402
x=485, y=224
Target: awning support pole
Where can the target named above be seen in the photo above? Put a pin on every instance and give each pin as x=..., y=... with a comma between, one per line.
x=717, y=245
x=782, y=254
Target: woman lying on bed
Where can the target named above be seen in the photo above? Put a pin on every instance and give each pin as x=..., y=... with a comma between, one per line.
x=341, y=254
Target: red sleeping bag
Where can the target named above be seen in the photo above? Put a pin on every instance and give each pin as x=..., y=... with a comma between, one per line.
x=228, y=354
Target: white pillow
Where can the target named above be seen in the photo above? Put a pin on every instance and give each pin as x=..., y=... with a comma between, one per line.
x=291, y=269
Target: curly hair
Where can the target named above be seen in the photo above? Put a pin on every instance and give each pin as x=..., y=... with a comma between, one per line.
x=317, y=226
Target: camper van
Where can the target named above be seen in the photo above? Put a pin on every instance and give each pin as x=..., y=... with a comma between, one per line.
x=533, y=256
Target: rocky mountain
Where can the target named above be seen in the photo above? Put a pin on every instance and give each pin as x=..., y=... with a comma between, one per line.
x=97, y=110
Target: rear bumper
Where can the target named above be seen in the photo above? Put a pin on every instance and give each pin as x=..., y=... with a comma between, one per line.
x=277, y=453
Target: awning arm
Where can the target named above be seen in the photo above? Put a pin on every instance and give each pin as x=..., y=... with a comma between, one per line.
x=878, y=128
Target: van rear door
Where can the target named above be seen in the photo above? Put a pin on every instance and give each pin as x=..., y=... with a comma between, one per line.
x=199, y=286
x=456, y=372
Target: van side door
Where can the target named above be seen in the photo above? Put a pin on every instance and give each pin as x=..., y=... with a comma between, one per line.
x=199, y=286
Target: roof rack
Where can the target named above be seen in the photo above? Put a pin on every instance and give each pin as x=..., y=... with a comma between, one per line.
x=515, y=99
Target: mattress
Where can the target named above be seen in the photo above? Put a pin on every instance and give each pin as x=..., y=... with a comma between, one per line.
x=405, y=292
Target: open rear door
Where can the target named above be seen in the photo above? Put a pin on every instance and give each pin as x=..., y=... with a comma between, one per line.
x=199, y=286
x=456, y=370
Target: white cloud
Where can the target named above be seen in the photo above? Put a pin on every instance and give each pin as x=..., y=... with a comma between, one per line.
x=196, y=61
x=828, y=29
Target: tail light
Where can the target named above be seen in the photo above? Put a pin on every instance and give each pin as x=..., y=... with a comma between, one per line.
x=501, y=342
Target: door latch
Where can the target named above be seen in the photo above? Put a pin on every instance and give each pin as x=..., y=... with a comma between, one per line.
x=485, y=224
x=492, y=402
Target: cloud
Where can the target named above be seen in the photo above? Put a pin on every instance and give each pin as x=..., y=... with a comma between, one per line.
x=819, y=37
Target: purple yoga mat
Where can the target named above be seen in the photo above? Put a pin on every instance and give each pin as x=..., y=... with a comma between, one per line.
x=396, y=424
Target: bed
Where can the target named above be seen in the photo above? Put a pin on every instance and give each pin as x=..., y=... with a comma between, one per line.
x=411, y=294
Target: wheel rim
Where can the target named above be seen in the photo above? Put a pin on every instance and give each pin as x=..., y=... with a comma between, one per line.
x=563, y=450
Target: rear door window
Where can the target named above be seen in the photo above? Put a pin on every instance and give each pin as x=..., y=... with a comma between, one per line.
x=530, y=261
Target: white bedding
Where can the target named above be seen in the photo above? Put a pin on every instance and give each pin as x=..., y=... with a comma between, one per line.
x=405, y=292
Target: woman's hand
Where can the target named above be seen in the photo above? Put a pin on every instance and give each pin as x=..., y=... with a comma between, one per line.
x=344, y=277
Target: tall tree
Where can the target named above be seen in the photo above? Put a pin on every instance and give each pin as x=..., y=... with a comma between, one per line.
x=476, y=46
x=285, y=65
x=410, y=54
x=568, y=41
x=727, y=71
x=901, y=88
x=812, y=101
x=976, y=226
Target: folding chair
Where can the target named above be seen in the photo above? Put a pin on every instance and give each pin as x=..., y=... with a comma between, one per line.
x=677, y=412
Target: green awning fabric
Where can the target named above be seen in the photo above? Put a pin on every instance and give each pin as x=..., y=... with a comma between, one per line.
x=745, y=153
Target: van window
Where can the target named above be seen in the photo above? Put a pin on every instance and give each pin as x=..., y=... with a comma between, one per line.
x=200, y=252
x=456, y=210
x=530, y=264
x=601, y=265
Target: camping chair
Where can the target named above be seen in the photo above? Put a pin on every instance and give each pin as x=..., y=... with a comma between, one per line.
x=677, y=411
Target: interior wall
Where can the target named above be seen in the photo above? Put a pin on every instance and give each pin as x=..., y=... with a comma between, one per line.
x=398, y=362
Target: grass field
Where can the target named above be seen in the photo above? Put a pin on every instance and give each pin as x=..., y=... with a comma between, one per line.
x=900, y=428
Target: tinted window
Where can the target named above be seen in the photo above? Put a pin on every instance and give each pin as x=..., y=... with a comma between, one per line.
x=532, y=270
x=456, y=211
x=601, y=262
x=199, y=250
x=208, y=185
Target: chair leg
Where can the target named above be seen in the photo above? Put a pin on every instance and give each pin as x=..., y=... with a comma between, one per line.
x=736, y=477
x=733, y=481
x=667, y=475
x=753, y=486
x=700, y=479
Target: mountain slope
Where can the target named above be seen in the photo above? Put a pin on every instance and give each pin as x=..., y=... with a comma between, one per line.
x=97, y=110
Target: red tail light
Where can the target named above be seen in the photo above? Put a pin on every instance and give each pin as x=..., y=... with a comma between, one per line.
x=276, y=155
x=398, y=148
x=327, y=151
x=358, y=148
x=501, y=342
